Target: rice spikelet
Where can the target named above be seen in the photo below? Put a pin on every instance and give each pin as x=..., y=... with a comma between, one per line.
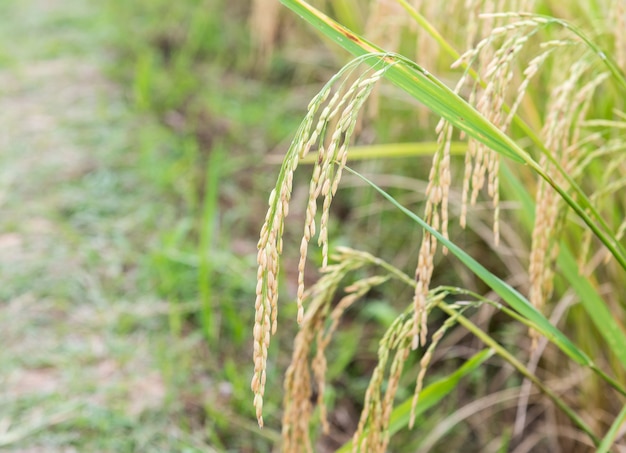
x=316, y=330
x=343, y=107
x=425, y=361
x=562, y=130
x=372, y=434
x=264, y=26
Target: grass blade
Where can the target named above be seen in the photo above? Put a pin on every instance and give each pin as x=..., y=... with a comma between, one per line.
x=207, y=239
x=612, y=433
x=391, y=151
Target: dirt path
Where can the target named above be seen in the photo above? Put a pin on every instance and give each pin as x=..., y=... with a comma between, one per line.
x=79, y=327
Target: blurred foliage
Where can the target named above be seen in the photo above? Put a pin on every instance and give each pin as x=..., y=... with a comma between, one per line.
x=206, y=121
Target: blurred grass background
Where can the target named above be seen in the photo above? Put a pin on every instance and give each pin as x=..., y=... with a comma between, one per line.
x=134, y=175
x=130, y=171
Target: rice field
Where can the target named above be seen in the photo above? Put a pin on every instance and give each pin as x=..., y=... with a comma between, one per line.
x=313, y=226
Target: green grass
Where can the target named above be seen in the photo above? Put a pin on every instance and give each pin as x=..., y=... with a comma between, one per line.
x=206, y=123
x=82, y=328
x=111, y=266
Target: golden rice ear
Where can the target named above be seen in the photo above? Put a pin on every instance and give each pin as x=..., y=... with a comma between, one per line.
x=618, y=12
x=436, y=214
x=496, y=66
x=425, y=361
x=372, y=434
x=264, y=23
x=561, y=133
x=337, y=121
x=318, y=327
x=548, y=205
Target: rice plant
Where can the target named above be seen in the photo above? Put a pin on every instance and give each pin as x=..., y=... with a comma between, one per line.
x=538, y=101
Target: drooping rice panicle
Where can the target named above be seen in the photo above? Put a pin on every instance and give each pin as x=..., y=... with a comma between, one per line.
x=354, y=292
x=368, y=435
x=425, y=362
x=264, y=18
x=436, y=214
x=372, y=434
x=495, y=68
x=341, y=111
x=298, y=391
x=619, y=31
x=316, y=331
x=562, y=134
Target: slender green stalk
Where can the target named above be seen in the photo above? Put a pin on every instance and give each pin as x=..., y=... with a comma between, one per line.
x=432, y=31
x=611, y=434
x=393, y=150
